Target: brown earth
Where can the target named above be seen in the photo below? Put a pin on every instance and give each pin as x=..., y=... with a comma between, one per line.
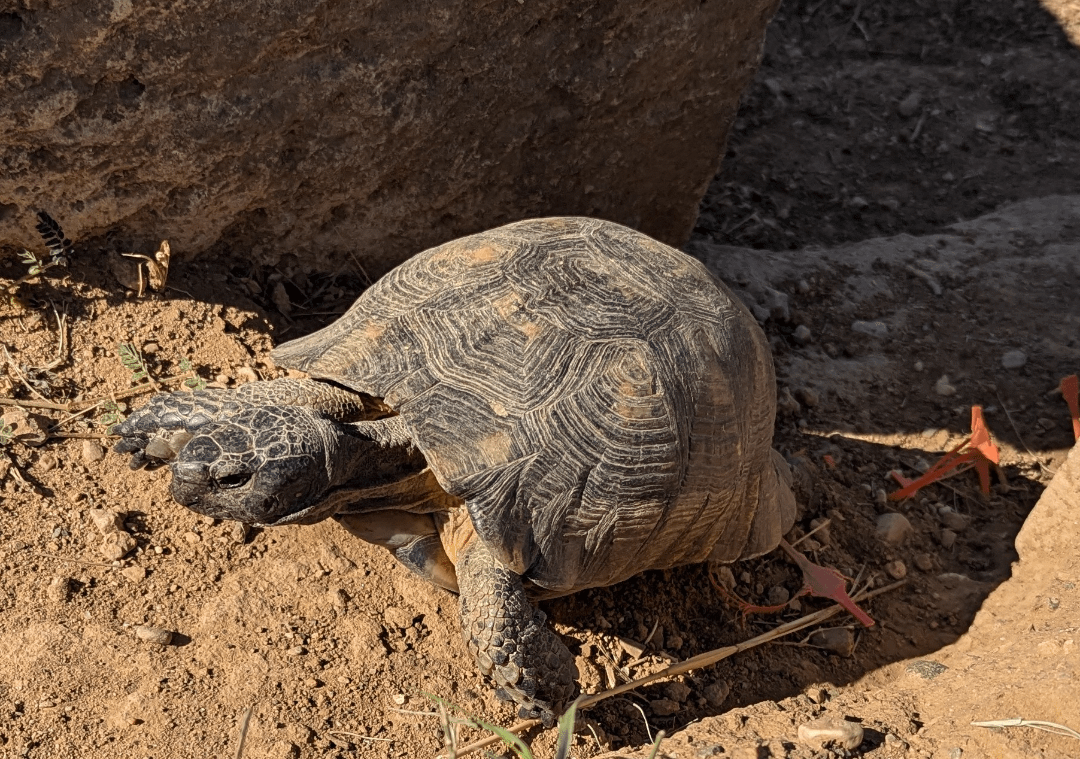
x=333, y=647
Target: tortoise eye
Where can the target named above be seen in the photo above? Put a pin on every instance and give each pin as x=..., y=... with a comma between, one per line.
x=233, y=480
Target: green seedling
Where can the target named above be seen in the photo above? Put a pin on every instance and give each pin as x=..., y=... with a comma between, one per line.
x=133, y=362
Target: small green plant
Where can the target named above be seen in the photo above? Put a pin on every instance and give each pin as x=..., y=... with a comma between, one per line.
x=35, y=263
x=7, y=433
x=112, y=414
x=133, y=362
x=194, y=382
x=517, y=746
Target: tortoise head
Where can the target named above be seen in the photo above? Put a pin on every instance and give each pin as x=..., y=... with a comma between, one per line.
x=266, y=465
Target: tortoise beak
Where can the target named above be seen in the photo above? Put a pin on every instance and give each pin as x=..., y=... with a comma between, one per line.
x=189, y=479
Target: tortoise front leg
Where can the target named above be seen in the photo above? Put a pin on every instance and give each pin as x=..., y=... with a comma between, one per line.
x=510, y=639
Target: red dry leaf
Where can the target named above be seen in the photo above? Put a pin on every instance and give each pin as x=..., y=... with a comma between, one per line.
x=978, y=451
x=824, y=582
x=1070, y=391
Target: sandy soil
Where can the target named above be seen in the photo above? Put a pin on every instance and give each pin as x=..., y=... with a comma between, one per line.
x=879, y=124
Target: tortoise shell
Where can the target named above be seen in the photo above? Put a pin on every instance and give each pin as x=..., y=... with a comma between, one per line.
x=600, y=401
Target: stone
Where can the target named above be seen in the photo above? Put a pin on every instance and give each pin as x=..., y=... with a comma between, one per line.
x=838, y=640
x=716, y=693
x=92, y=452
x=873, y=329
x=831, y=731
x=116, y=545
x=954, y=520
x=778, y=595
x=924, y=561
x=909, y=106
x=1014, y=359
x=802, y=334
x=947, y=538
x=893, y=528
x=106, y=520
x=316, y=131
x=807, y=396
x=663, y=707
x=134, y=574
x=786, y=403
x=156, y=635
x=677, y=691
x=60, y=589
x=896, y=569
x=943, y=387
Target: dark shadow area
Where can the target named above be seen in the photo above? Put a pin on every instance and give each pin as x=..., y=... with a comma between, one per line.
x=946, y=584
x=870, y=119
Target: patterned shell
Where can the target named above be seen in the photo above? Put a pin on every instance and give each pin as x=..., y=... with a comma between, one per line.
x=599, y=400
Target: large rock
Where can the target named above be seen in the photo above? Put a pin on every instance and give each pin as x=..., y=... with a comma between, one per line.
x=371, y=128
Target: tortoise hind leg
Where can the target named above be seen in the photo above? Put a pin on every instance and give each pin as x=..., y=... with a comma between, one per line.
x=510, y=639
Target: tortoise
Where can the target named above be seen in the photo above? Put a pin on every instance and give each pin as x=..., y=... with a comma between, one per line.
x=552, y=405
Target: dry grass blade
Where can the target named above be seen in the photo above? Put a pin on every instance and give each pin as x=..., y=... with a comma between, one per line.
x=695, y=662
x=244, y=722
x=1038, y=724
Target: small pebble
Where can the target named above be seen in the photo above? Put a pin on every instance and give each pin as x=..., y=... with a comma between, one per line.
x=106, y=520
x=60, y=589
x=786, y=403
x=725, y=577
x=873, y=329
x=954, y=520
x=943, y=387
x=677, y=691
x=823, y=535
x=674, y=642
x=893, y=528
x=803, y=286
x=92, y=451
x=778, y=594
x=824, y=731
x=802, y=334
x=632, y=648
x=247, y=374
x=192, y=537
x=1014, y=359
x=47, y=461
x=154, y=635
x=881, y=497
x=807, y=396
x=896, y=570
x=116, y=545
x=924, y=561
x=150, y=348
x=134, y=574
x=238, y=531
x=296, y=651
x=311, y=682
x=919, y=366
x=663, y=707
x=716, y=693
x=839, y=640
x=817, y=694
x=947, y=538
x=909, y=106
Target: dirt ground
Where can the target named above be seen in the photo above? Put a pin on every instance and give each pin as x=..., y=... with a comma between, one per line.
x=898, y=203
